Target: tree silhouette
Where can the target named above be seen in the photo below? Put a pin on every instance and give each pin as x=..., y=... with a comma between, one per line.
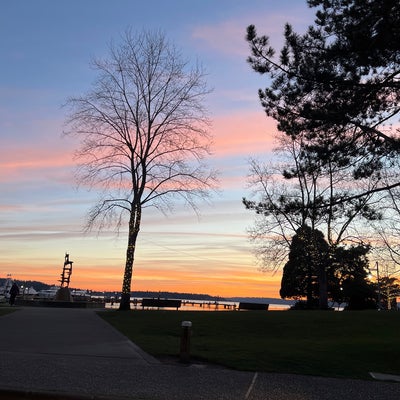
x=350, y=278
x=334, y=93
x=306, y=268
x=143, y=130
x=336, y=87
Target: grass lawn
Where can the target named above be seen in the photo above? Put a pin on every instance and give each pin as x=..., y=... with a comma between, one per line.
x=4, y=311
x=336, y=344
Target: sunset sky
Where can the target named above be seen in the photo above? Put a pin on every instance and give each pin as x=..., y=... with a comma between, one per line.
x=46, y=49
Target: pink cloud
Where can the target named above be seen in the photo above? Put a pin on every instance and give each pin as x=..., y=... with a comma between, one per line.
x=8, y=208
x=18, y=162
x=246, y=133
x=228, y=37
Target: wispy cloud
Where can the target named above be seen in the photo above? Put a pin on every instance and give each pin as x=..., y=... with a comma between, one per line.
x=228, y=36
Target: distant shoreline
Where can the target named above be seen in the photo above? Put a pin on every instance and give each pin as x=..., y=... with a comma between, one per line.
x=37, y=285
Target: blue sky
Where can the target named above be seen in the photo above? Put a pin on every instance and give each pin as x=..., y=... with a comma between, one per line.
x=46, y=48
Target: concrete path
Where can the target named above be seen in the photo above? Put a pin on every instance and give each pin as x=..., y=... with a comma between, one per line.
x=48, y=353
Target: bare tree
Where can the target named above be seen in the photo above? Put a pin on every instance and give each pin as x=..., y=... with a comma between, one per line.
x=144, y=135
x=291, y=195
x=387, y=230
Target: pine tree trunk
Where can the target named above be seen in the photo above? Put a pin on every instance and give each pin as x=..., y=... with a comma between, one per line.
x=134, y=227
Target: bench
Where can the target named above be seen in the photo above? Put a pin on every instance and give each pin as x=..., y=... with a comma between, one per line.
x=253, y=306
x=161, y=303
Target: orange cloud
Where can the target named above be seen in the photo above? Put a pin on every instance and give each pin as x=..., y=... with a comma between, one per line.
x=222, y=265
x=147, y=276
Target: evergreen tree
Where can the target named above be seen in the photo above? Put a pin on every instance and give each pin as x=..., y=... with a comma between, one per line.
x=334, y=91
x=345, y=270
x=350, y=278
x=306, y=269
x=336, y=87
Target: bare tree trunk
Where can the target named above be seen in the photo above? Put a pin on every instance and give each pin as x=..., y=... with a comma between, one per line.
x=134, y=227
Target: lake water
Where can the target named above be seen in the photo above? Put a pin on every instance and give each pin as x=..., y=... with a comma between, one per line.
x=199, y=305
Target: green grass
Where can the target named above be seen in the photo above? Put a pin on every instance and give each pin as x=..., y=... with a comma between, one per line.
x=4, y=311
x=337, y=344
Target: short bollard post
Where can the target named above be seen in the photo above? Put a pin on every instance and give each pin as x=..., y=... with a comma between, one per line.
x=185, y=341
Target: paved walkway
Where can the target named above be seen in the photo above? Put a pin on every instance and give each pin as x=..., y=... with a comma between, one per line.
x=48, y=353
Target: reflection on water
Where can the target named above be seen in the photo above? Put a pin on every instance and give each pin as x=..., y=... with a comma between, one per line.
x=197, y=305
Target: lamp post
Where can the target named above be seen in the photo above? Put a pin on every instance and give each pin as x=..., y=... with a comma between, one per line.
x=379, y=286
x=378, y=282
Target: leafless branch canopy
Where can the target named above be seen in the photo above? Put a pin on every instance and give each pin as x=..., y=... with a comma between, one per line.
x=143, y=128
x=288, y=196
